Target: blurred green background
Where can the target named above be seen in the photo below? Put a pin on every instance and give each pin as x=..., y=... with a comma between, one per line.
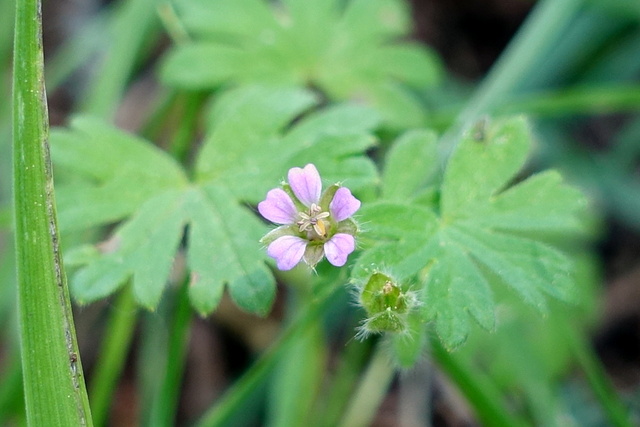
x=582, y=91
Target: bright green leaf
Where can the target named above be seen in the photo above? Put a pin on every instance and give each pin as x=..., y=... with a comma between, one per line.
x=397, y=221
x=453, y=290
x=411, y=161
x=410, y=63
x=249, y=150
x=210, y=65
x=143, y=247
x=108, y=163
x=526, y=265
x=392, y=17
x=480, y=168
x=249, y=145
x=223, y=235
x=487, y=235
x=538, y=204
x=228, y=18
x=244, y=127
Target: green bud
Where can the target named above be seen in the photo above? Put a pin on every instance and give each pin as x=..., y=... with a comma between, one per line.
x=386, y=305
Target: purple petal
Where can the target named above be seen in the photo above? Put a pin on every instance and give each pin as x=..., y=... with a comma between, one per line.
x=338, y=248
x=306, y=184
x=343, y=204
x=287, y=251
x=278, y=207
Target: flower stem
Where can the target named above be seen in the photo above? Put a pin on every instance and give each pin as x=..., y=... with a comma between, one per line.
x=54, y=387
x=371, y=391
x=242, y=389
x=130, y=27
x=478, y=389
x=163, y=409
x=344, y=381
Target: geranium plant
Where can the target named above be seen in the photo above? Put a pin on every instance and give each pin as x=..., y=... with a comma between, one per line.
x=309, y=184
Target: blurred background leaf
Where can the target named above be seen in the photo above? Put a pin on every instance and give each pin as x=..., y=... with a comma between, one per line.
x=351, y=51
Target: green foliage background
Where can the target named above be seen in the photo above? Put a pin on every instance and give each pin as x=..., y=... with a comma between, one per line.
x=466, y=201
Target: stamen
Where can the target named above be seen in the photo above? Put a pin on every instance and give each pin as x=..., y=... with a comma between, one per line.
x=313, y=218
x=320, y=228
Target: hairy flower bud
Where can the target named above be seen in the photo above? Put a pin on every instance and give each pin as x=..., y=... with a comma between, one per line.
x=386, y=304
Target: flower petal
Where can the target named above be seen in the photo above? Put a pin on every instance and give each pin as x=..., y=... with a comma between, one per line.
x=287, y=251
x=306, y=184
x=343, y=204
x=278, y=207
x=338, y=248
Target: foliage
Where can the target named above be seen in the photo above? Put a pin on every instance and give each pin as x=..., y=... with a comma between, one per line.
x=482, y=232
x=468, y=231
x=352, y=51
x=152, y=196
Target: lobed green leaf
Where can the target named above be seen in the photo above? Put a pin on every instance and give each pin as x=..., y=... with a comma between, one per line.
x=235, y=19
x=410, y=163
x=249, y=145
x=349, y=52
x=143, y=247
x=223, y=248
x=486, y=235
x=110, y=181
x=392, y=17
x=248, y=148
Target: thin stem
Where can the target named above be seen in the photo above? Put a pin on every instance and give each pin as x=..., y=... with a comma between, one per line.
x=172, y=23
x=54, y=387
x=183, y=137
x=581, y=100
x=242, y=389
x=479, y=390
x=617, y=414
x=164, y=408
x=599, y=99
x=115, y=347
x=372, y=389
x=130, y=27
x=344, y=382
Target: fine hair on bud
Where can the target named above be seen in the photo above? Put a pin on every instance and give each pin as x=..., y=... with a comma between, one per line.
x=386, y=303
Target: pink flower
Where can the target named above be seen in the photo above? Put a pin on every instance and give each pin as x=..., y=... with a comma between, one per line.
x=313, y=224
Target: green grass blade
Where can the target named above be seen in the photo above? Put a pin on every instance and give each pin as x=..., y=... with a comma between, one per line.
x=132, y=25
x=241, y=391
x=165, y=403
x=477, y=387
x=542, y=28
x=7, y=9
x=115, y=347
x=54, y=388
x=371, y=391
x=616, y=412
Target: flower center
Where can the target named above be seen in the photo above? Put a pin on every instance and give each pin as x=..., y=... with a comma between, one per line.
x=313, y=219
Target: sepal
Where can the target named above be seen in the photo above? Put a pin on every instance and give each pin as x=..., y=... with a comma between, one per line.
x=285, y=230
